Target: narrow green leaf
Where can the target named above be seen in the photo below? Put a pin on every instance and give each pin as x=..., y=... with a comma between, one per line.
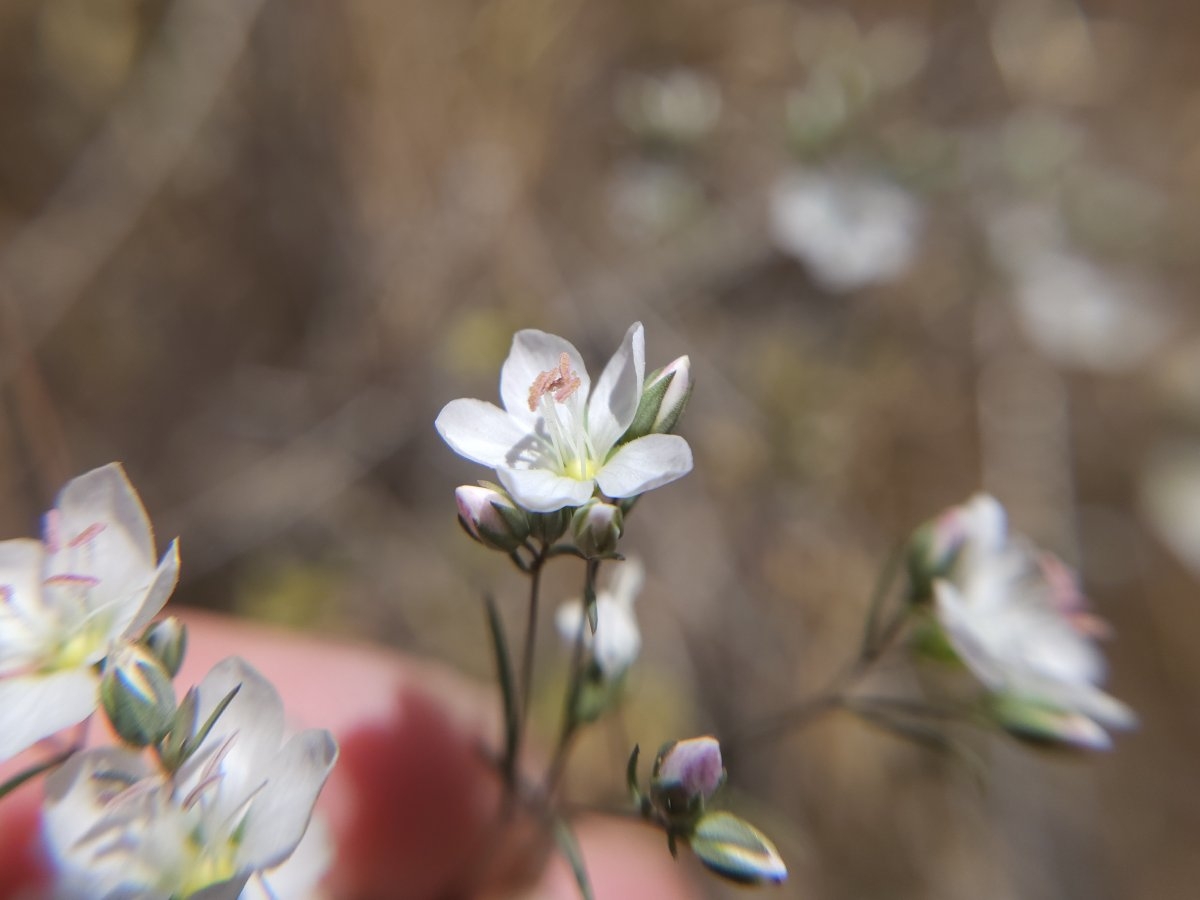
x=589, y=599
x=631, y=776
x=34, y=771
x=508, y=691
x=192, y=744
x=569, y=848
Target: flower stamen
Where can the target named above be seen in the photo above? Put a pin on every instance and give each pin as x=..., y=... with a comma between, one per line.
x=561, y=383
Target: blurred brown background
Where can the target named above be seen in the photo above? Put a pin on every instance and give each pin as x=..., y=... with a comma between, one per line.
x=250, y=248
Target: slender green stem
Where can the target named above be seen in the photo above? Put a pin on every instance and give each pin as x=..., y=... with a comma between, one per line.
x=531, y=623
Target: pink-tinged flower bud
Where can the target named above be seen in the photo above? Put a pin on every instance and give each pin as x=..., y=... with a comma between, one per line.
x=686, y=774
x=490, y=517
x=664, y=398
x=597, y=528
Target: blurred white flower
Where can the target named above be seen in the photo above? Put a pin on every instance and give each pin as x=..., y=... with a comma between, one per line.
x=1017, y=620
x=236, y=809
x=556, y=438
x=68, y=600
x=617, y=640
x=1074, y=311
x=849, y=232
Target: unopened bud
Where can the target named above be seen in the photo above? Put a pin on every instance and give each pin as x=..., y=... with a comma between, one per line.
x=1046, y=726
x=664, y=397
x=489, y=516
x=549, y=527
x=686, y=774
x=735, y=849
x=137, y=696
x=597, y=528
x=167, y=640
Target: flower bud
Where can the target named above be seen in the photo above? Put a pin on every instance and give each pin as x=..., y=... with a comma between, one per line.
x=664, y=397
x=166, y=639
x=137, y=696
x=597, y=527
x=932, y=550
x=735, y=849
x=549, y=527
x=1046, y=726
x=489, y=516
x=686, y=774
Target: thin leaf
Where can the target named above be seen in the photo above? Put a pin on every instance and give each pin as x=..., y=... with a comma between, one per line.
x=21, y=777
x=192, y=744
x=569, y=848
x=504, y=675
x=631, y=776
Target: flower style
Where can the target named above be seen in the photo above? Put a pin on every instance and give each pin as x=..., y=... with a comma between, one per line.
x=237, y=808
x=68, y=600
x=557, y=437
x=617, y=640
x=1017, y=620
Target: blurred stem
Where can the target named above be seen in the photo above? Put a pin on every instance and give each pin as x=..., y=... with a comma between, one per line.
x=837, y=695
x=570, y=724
x=527, y=652
x=883, y=587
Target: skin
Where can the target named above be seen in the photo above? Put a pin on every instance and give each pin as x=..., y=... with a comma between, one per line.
x=412, y=804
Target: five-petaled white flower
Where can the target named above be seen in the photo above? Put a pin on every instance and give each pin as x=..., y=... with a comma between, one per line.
x=237, y=809
x=556, y=438
x=617, y=640
x=1018, y=621
x=67, y=600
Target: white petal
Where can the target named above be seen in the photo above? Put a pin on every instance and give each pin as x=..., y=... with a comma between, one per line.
x=76, y=803
x=534, y=352
x=279, y=813
x=33, y=707
x=540, y=490
x=644, y=464
x=254, y=722
x=482, y=432
x=626, y=581
x=23, y=615
x=105, y=496
x=165, y=579
x=615, y=399
x=955, y=618
x=298, y=875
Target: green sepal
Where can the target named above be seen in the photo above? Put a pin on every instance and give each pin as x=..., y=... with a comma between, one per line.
x=648, y=407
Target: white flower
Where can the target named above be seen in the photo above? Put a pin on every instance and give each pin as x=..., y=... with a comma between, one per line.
x=66, y=601
x=617, y=640
x=849, y=232
x=1018, y=621
x=556, y=438
x=118, y=827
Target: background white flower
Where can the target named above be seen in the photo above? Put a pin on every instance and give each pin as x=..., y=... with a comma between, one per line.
x=67, y=600
x=1018, y=625
x=240, y=806
x=617, y=640
x=849, y=231
x=556, y=438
